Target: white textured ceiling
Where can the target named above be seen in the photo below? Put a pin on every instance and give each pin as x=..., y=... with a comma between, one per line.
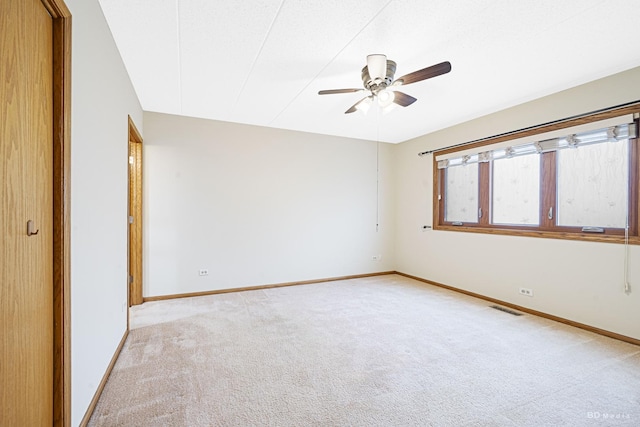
x=262, y=62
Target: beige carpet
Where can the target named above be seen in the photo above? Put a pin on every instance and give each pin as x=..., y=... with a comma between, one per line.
x=382, y=351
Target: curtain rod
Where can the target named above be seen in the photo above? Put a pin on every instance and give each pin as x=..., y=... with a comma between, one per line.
x=462, y=144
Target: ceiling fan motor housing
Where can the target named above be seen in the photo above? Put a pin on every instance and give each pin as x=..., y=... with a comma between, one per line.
x=377, y=85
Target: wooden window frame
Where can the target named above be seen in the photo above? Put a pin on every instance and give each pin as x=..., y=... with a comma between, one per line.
x=548, y=188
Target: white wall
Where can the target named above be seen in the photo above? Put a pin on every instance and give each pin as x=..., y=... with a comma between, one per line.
x=258, y=206
x=102, y=98
x=580, y=281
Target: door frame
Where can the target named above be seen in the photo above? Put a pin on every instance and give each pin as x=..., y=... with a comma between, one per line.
x=135, y=253
x=61, y=48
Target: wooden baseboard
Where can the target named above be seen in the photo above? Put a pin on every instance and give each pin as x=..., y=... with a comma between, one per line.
x=430, y=282
x=254, y=288
x=105, y=377
x=528, y=310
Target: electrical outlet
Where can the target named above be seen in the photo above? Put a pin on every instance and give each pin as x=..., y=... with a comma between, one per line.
x=526, y=291
x=376, y=257
x=203, y=272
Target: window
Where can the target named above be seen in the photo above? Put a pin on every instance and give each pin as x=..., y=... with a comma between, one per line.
x=576, y=179
x=462, y=185
x=593, y=185
x=515, y=196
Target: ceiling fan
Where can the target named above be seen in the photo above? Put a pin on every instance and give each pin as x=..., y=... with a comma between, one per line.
x=377, y=77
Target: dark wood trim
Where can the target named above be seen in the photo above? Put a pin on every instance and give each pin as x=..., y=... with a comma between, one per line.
x=61, y=211
x=259, y=287
x=439, y=177
x=583, y=326
x=484, y=193
x=521, y=232
x=634, y=177
x=105, y=377
x=548, y=189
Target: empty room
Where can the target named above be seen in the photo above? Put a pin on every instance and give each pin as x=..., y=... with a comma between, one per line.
x=286, y=213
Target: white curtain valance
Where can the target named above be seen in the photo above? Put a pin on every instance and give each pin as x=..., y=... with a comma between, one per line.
x=613, y=129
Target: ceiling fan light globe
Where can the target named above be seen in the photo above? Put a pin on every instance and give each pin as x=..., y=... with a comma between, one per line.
x=385, y=98
x=364, y=105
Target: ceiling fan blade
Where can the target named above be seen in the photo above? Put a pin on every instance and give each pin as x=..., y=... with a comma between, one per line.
x=403, y=99
x=332, y=91
x=425, y=73
x=354, y=107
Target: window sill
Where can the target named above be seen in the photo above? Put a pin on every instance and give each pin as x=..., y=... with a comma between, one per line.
x=586, y=237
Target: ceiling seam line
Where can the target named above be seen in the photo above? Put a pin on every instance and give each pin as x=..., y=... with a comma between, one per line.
x=330, y=62
x=255, y=60
x=179, y=56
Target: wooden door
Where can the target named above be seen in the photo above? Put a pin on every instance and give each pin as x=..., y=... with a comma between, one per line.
x=135, y=216
x=26, y=173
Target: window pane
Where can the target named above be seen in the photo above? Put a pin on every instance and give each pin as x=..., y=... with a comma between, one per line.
x=516, y=190
x=593, y=185
x=461, y=193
